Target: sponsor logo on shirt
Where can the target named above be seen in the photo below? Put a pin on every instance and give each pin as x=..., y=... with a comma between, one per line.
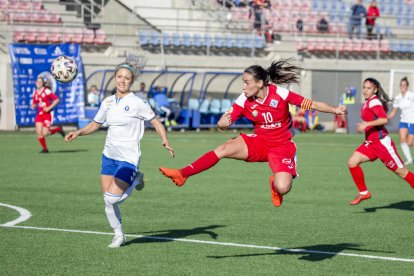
x=271, y=126
x=253, y=106
x=126, y=108
x=273, y=103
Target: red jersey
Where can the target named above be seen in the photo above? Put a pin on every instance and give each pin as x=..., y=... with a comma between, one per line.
x=370, y=111
x=43, y=98
x=372, y=14
x=271, y=117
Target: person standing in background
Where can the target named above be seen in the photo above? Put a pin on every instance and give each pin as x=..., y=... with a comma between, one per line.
x=405, y=102
x=372, y=14
x=358, y=12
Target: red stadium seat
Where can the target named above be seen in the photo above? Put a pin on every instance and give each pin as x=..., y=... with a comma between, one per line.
x=77, y=35
x=100, y=37
x=19, y=34
x=31, y=35
x=55, y=36
x=385, y=46
x=42, y=35
x=88, y=36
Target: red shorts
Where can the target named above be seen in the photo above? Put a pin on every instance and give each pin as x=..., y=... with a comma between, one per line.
x=45, y=118
x=280, y=155
x=383, y=149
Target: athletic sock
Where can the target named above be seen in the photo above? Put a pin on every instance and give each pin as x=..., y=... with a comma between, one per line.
x=358, y=177
x=406, y=150
x=205, y=162
x=42, y=142
x=55, y=129
x=410, y=178
x=112, y=211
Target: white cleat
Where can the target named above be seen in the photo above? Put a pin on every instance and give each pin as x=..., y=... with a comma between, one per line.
x=408, y=162
x=140, y=179
x=117, y=241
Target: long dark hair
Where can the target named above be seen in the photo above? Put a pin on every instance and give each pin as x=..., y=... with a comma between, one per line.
x=382, y=96
x=279, y=72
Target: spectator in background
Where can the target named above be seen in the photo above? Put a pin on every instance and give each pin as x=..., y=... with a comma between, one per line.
x=347, y=98
x=259, y=21
x=142, y=94
x=372, y=14
x=168, y=111
x=299, y=25
x=322, y=26
x=93, y=96
x=358, y=12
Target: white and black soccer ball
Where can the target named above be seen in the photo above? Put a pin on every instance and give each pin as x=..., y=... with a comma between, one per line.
x=64, y=69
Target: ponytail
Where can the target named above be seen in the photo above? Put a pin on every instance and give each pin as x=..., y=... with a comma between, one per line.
x=279, y=72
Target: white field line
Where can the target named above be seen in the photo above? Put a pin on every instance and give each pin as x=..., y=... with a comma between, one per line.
x=222, y=244
x=25, y=215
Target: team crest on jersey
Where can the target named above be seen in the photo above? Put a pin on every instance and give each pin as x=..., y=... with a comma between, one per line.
x=255, y=113
x=273, y=103
x=126, y=108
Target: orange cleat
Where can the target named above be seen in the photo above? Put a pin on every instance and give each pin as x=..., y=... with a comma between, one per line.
x=276, y=197
x=360, y=198
x=175, y=175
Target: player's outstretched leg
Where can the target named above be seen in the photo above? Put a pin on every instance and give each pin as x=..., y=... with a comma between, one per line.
x=175, y=175
x=203, y=163
x=277, y=198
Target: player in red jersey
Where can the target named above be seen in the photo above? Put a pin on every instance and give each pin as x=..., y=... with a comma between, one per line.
x=267, y=106
x=377, y=142
x=45, y=101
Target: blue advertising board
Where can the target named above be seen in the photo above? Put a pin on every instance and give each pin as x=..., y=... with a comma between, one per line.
x=30, y=61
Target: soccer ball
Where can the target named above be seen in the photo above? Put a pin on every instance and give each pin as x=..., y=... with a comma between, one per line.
x=64, y=69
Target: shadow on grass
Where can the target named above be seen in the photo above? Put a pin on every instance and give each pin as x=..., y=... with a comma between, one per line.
x=68, y=151
x=173, y=234
x=402, y=205
x=313, y=253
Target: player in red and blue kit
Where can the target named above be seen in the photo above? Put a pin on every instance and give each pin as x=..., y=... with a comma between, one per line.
x=377, y=145
x=45, y=101
x=267, y=106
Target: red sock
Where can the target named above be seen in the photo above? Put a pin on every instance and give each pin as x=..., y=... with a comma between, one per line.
x=205, y=162
x=410, y=179
x=54, y=130
x=358, y=176
x=42, y=142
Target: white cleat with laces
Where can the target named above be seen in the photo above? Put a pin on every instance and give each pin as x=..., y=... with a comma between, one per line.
x=117, y=241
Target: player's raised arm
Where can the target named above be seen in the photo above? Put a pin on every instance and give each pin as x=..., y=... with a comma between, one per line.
x=88, y=129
